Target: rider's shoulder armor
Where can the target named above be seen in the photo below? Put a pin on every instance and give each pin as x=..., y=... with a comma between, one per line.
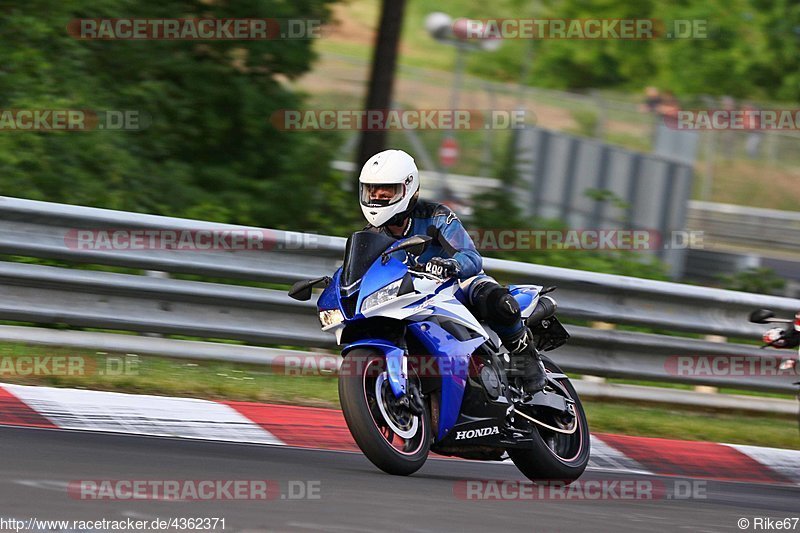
x=433, y=210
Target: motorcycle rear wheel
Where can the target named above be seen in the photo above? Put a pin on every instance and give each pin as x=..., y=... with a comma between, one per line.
x=554, y=456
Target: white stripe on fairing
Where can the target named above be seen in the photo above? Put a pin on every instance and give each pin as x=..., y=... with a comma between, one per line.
x=605, y=457
x=786, y=462
x=141, y=414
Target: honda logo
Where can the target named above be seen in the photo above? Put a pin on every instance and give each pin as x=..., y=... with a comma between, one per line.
x=472, y=433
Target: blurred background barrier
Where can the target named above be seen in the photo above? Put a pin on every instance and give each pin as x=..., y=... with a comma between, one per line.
x=208, y=297
x=725, y=162
x=651, y=190
x=737, y=228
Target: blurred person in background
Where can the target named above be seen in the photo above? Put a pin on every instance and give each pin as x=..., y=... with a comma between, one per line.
x=389, y=192
x=754, y=134
x=652, y=99
x=668, y=108
x=727, y=137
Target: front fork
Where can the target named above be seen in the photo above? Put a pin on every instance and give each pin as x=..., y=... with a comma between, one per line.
x=406, y=391
x=396, y=362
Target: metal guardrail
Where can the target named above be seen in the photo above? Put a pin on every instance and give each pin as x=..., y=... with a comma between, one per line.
x=292, y=362
x=88, y=298
x=42, y=229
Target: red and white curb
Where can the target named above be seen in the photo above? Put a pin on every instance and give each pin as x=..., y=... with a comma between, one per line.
x=310, y=427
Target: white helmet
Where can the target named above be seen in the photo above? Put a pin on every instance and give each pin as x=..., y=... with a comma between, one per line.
x=389, y=183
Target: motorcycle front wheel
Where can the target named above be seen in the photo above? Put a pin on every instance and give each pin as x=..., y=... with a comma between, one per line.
x=392, y=438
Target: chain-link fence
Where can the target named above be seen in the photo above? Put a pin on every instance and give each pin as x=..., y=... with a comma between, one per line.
x=732, y=166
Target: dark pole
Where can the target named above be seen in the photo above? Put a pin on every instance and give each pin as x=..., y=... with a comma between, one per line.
x=384, y=59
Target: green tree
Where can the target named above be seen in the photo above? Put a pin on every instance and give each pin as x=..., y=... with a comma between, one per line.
x=774, y=65
x=759, y=280
x=751, y=48
x=210, y=151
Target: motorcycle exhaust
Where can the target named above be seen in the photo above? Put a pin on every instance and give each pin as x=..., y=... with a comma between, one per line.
x=545, y=308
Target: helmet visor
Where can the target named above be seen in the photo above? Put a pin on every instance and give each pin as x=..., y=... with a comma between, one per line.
x=381, y=194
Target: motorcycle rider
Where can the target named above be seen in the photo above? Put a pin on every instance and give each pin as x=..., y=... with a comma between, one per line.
x=780, y=338
x=389, y=193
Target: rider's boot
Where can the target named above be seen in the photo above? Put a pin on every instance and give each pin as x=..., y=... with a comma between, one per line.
x=501, y=310
x=526, y=361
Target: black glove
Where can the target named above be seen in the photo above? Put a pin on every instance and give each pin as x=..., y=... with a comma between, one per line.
x=444, y=268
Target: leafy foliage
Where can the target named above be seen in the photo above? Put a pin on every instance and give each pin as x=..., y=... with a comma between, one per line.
x=210, y=152
x=759, y=280
x=751, y=48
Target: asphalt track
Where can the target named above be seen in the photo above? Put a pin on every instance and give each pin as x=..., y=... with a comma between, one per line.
x=38, y=464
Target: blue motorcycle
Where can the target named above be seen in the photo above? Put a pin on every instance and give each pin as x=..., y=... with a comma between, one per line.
x=420, y=373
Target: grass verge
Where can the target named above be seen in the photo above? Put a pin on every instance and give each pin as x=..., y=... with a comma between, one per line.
x=218, y=380
x=675, y=423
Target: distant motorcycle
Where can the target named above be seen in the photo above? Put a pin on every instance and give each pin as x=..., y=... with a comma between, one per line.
x=420, y=373
x=787, y=337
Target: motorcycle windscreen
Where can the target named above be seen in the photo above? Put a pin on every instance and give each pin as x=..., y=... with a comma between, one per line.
x=361, y=250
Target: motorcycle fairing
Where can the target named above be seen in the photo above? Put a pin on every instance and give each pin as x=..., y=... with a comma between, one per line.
x=452, y=356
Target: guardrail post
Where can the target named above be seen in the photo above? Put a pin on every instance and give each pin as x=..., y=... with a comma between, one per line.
x=605, y=326
x=705, y=388
x=154, y=274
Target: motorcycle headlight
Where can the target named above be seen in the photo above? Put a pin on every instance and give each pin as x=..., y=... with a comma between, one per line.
x=330, y=317
x=381, y=295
